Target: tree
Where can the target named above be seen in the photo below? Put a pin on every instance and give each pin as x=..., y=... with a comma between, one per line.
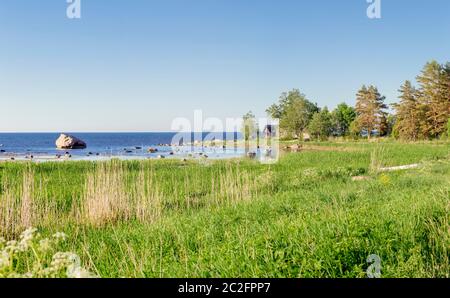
x=370, y=110
x=341, y=118
x=389, y=124
x=408, y=114
x=249, y=126
x=320, y=126
x=275, y=111
x=434, y=98
x=354, y=129
x=294, y=112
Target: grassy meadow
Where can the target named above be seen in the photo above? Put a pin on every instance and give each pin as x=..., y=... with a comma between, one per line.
x=305, y=216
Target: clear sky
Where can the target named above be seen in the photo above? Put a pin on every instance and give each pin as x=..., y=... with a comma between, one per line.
x=134, y=65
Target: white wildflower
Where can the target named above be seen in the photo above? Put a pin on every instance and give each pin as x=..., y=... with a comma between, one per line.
x=4, y=259
x=44, y=245
x=79, y=272
x=59, y=261
x=59, y=236
x=63, y=264
x=26, y=238
x=12, y=247
x=28, y=233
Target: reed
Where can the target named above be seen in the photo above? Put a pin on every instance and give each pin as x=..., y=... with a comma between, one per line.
x=17, y=204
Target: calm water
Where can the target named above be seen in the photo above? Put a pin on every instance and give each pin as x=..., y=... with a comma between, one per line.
x=104, y=145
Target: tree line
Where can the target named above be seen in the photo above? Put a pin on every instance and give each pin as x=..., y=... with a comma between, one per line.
x=422, y=112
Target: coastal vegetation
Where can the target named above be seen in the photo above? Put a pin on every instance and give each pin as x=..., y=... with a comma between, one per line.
x=320, y=211
x=422, y=113
x=317, y=213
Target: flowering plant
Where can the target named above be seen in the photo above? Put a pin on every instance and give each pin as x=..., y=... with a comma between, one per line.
x=33, y=256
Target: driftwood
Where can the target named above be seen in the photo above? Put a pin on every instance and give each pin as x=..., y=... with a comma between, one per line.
x=399, y=168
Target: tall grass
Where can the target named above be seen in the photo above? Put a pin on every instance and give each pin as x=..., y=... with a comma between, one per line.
x=117, y=191
x=376, y=159
x=16, y=204
x=301, y=217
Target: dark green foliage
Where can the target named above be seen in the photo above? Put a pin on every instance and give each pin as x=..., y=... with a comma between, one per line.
x=320, y=126
x=342, y=117
x=294, y=112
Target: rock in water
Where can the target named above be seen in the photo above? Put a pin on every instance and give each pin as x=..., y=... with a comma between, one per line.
x=69, y=142
x=251, y=154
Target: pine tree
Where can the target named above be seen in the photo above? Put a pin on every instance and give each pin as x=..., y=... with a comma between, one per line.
x=434, y=98
x=408, y=115
x=370, y=109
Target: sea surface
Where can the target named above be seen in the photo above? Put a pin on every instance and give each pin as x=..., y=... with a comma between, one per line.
x=41, y=146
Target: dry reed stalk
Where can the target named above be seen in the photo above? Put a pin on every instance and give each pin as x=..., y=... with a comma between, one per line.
x=8, y=210
x=148, y=198
x=108, y=197
x=105, y=198
x=16, y=205
x=26, y=208
x=235, y=186
x=376, y=159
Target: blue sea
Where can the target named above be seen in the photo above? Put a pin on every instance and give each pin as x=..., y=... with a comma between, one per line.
x=106, y=145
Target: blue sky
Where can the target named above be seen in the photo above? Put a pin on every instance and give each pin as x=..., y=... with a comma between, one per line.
x=135, y=65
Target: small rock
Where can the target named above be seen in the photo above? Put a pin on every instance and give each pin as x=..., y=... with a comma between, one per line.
x=295, y=148
x=251, y=154
x=360, y=178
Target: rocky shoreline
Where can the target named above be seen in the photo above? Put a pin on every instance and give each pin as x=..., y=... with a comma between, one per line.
x=71, y=148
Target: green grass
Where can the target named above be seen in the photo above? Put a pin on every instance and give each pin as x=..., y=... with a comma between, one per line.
x=301, y=217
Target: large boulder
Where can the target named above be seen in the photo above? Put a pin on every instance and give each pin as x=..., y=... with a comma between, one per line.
x=69, y=142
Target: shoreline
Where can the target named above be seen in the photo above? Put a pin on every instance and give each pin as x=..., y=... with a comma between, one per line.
x=215, y=150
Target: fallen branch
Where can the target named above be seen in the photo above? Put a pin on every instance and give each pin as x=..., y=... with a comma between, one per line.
x=407, y=167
